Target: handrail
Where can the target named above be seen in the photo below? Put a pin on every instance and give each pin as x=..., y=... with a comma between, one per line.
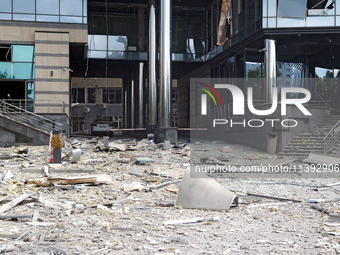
x=30, y=104
x=332, y=137
x=28, y=118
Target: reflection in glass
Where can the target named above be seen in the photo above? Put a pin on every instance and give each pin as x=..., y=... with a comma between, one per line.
x=68, y=19
x=97, y=54
x=178, y=57
x=22, y=53
x=338, y=21
x=71, y=7
x=48, y=18
x=22, y=70
x=287, y=22
x=264, y=22
x=292, y=8
x=117, y=43
x=97, y=42
x=251, y=14
x=271, y=22
x=5, y=16
x=264, y=9
x=138, y=55
x=6, y=6
x=117, y=55
x=27, y=6
x=320, y=21
x=271, y=8
x=195, y=48
x=254, y=71
x=30, y=96
x=30, y=90
x=5, y=70
x=257, y=10
x=24, y=17
x=47, y=7
x=84, y=7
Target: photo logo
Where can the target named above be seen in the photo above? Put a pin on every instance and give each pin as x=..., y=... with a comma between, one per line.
x=204, y=97
x=238, y=105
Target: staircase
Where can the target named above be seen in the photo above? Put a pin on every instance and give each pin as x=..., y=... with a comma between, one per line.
x=18, y=126
x=323, y=139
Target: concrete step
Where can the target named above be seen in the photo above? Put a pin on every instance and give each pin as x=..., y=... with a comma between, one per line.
x=293, y=154
x=293, y=148
x=14, y=132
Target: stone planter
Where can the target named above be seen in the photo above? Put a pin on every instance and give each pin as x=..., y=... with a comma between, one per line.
x=57, y=156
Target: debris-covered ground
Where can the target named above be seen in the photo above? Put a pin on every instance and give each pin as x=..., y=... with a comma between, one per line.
x=120, y=199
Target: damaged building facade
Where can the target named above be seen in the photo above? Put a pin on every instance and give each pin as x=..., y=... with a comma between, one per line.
x=129, y=63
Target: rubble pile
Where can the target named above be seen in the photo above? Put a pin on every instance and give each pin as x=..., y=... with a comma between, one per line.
x=129, y=196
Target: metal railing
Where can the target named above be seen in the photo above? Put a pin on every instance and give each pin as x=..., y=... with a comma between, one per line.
x=332, y=137
x=318, y=103
x=50, y=106
x=26, y=117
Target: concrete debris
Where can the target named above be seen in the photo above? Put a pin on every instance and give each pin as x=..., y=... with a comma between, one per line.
x=132, y=196
x=123, y=160
x=226, y=149
x=166, y=145
x=134, y=186
x=7, y=248
x=73, y=156
x=323, y=159
x=102, y=210
x=202, y=192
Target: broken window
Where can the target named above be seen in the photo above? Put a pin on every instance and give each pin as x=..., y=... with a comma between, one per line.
x=174, y=95
x=78, y=95
x=91, y=95
x=112, y=95
x=320, y=7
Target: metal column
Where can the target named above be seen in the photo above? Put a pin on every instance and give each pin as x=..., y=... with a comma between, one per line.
x=270, y=60
x=141, y=95
x=125, y=108
x=152, y=68
x=132, y=98
x=165, y=64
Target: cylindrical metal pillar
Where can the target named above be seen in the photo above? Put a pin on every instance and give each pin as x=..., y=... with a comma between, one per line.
x=132, y=98
x=270, y=60
x=125, y=108
x=141, y=95
x=152, y=68
x=165, y=64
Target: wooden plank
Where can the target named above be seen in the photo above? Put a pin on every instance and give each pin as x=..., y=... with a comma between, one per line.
x=13, y=203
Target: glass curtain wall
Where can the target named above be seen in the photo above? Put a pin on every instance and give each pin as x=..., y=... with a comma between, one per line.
x=114, y=34
x=246, y=19
x=18, y=63
x=64, y=11
x=300, y=13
